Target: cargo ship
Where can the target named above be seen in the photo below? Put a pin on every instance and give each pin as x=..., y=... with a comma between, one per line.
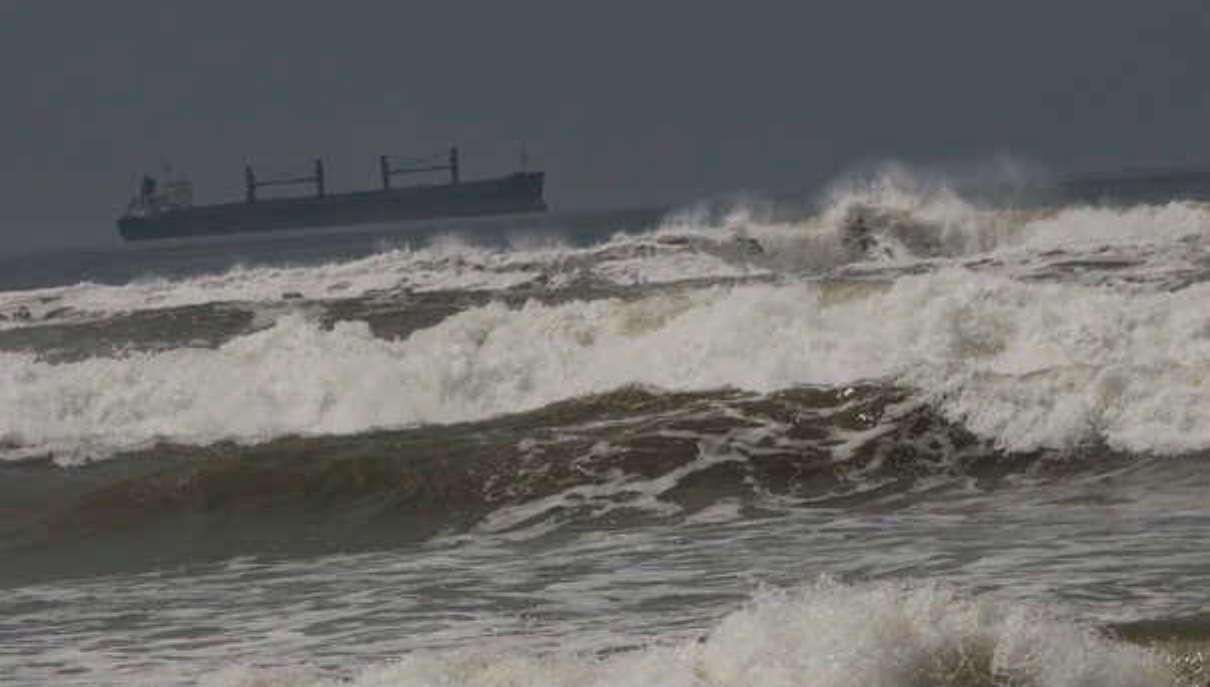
x=164, y=209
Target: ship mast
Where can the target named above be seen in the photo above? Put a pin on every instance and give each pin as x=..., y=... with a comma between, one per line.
x=251, y=182
x=419, y=166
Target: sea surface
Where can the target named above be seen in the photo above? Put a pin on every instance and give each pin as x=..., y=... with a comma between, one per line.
x=887, y=435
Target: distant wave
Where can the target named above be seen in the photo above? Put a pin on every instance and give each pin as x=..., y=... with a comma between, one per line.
x=902, y=220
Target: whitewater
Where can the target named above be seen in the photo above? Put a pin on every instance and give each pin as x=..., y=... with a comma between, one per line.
x=894, y=436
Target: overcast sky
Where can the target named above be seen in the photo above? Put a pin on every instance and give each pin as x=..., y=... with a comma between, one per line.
x=622, y=103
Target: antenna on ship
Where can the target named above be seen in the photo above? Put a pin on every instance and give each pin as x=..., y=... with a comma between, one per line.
x=249, y=184
x=524, y=161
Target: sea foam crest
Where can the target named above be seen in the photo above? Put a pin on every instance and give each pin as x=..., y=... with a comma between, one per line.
x=820, y=634
x=905, y=217
x=908, y=214
x=1028, y=365
x=445, y=265
x=442, y=266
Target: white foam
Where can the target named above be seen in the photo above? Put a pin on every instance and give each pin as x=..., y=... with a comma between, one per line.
x=821, y=634
x=443, y=266
x=1083, y=227
x=446, y=264
x=1028, y=365
x=910, y=218
x=671, y=267
x=620, y=491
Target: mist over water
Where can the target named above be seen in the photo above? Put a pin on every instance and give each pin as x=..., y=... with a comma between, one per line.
x=905, y=436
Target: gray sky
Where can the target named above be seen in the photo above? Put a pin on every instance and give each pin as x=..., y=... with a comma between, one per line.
x=621, y=103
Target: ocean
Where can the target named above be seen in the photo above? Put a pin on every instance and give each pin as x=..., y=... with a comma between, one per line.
x=888, y=435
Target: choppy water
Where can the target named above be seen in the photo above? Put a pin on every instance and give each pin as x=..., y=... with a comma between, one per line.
x=947, y=443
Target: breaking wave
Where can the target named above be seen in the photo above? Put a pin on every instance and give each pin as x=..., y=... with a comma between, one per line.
x=1027, y=365
x=444, y=266
x=557, y=464
x=893, y=218
x=824, y=633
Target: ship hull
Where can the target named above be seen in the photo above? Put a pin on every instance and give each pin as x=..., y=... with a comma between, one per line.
x=516, y=193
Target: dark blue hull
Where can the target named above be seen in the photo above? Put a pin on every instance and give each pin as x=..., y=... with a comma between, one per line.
x=516, y=193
